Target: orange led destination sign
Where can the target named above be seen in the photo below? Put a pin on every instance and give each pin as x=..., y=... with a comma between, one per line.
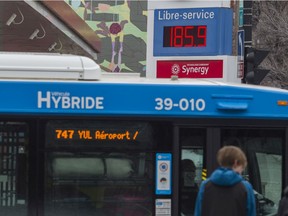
x=72, y=134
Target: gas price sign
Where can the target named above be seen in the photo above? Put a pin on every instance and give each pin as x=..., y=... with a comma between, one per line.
x=184, y=36
x=193, y=31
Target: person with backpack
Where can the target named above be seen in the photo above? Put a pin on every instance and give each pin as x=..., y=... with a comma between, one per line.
x=225, y=192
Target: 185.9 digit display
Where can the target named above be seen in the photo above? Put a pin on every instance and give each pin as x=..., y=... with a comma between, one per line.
x=184, y=36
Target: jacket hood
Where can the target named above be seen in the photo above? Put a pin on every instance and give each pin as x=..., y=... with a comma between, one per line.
x=225, y=177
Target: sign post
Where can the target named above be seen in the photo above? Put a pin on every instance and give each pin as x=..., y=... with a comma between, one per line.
x=241, y=50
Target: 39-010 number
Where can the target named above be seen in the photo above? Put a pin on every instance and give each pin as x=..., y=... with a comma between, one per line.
x=183, y=104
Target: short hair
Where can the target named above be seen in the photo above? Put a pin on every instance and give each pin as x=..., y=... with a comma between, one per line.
x=188, y=165
x=227, y=156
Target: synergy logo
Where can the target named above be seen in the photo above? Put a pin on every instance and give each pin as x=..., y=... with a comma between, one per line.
x=195, y=68
x=175, y=69
x=190, y=68
x=64, y=100
x=202, y=69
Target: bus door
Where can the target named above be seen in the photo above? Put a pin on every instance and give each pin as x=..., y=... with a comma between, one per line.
x=192, y=142
x=264, y=149
x=13, y=168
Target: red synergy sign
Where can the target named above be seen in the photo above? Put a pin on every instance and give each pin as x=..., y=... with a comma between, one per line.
x=190, y=69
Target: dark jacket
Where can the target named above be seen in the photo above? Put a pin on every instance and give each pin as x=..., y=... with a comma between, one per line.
x=225, y=193
x=283, y=204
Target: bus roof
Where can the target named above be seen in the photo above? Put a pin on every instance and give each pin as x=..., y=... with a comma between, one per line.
x=47, y=66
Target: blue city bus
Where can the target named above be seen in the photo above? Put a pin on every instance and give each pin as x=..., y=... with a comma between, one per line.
x=132, y=146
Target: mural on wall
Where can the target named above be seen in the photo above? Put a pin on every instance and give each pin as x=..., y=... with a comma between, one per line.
x=122, y=27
